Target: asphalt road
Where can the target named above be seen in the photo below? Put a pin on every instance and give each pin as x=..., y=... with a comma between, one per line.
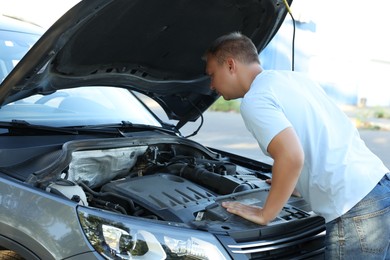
x=227, y=131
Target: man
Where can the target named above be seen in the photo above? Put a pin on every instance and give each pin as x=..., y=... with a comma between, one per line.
x=315, y=147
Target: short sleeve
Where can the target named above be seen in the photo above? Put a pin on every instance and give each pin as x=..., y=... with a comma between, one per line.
x=263, y=117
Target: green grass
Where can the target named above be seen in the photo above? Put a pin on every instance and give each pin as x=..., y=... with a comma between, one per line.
x=365, y=114
x=380, y=112
x=362, y=116
x=375, y=112
x=223, y=105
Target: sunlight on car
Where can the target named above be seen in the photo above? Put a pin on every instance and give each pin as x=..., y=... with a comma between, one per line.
x=13, y=46
x=80, y=106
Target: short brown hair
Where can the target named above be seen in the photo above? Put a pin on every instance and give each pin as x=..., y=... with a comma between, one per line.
x=235, y=45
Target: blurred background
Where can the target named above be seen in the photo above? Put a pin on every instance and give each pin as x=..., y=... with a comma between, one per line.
x=342, y=44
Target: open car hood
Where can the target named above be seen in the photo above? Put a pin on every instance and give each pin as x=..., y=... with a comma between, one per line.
x=151, y=46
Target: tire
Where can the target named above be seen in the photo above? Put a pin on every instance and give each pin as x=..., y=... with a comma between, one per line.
x=9, y=255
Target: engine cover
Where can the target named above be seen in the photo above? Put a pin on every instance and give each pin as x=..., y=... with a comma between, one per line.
x=170, y=197
x=173, y=198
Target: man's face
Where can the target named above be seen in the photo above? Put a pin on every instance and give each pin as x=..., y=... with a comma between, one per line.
x=222, y=79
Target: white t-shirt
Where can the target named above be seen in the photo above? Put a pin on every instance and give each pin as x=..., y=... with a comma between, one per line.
x=339, y=170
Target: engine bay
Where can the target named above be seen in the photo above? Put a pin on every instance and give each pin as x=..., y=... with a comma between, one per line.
x=171, y=180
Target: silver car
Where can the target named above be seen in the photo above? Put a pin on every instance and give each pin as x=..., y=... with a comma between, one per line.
x=89, y=167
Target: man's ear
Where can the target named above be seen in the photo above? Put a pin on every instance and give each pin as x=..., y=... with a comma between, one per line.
x=231, y=64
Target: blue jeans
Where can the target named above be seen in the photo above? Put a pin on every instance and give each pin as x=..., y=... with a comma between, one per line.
x=364, y=231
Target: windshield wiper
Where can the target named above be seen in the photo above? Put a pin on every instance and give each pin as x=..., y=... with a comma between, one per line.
x=128, y=126
x=22, y=126
x=16, y=124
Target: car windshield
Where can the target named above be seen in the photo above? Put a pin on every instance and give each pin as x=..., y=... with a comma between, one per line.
x=83, y=106
x=13, y=46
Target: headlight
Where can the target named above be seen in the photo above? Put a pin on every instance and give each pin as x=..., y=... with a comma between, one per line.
x=119, y=237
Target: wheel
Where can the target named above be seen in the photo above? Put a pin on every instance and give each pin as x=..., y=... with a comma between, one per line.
x=9, y=255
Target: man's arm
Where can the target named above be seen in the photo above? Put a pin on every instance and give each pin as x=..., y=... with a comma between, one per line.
x=287, y=152
x=288, y=156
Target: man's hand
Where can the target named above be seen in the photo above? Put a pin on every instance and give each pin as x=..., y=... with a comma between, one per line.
x=249, y=212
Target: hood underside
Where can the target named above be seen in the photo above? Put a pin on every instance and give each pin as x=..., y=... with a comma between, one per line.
x=154, y=47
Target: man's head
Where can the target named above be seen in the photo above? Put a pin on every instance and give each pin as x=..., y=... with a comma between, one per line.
x=232, y=63
x=235, y=45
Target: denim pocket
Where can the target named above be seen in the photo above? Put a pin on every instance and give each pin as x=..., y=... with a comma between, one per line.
x=374, y=231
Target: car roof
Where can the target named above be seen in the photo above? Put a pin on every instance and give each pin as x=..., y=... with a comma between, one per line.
x=11, y=23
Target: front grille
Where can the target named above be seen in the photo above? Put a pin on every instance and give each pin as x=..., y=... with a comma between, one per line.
x=307, y=243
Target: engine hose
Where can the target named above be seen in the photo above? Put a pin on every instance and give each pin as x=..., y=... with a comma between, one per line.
x=102, y=194
x=110, y=205
x=196, y=174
